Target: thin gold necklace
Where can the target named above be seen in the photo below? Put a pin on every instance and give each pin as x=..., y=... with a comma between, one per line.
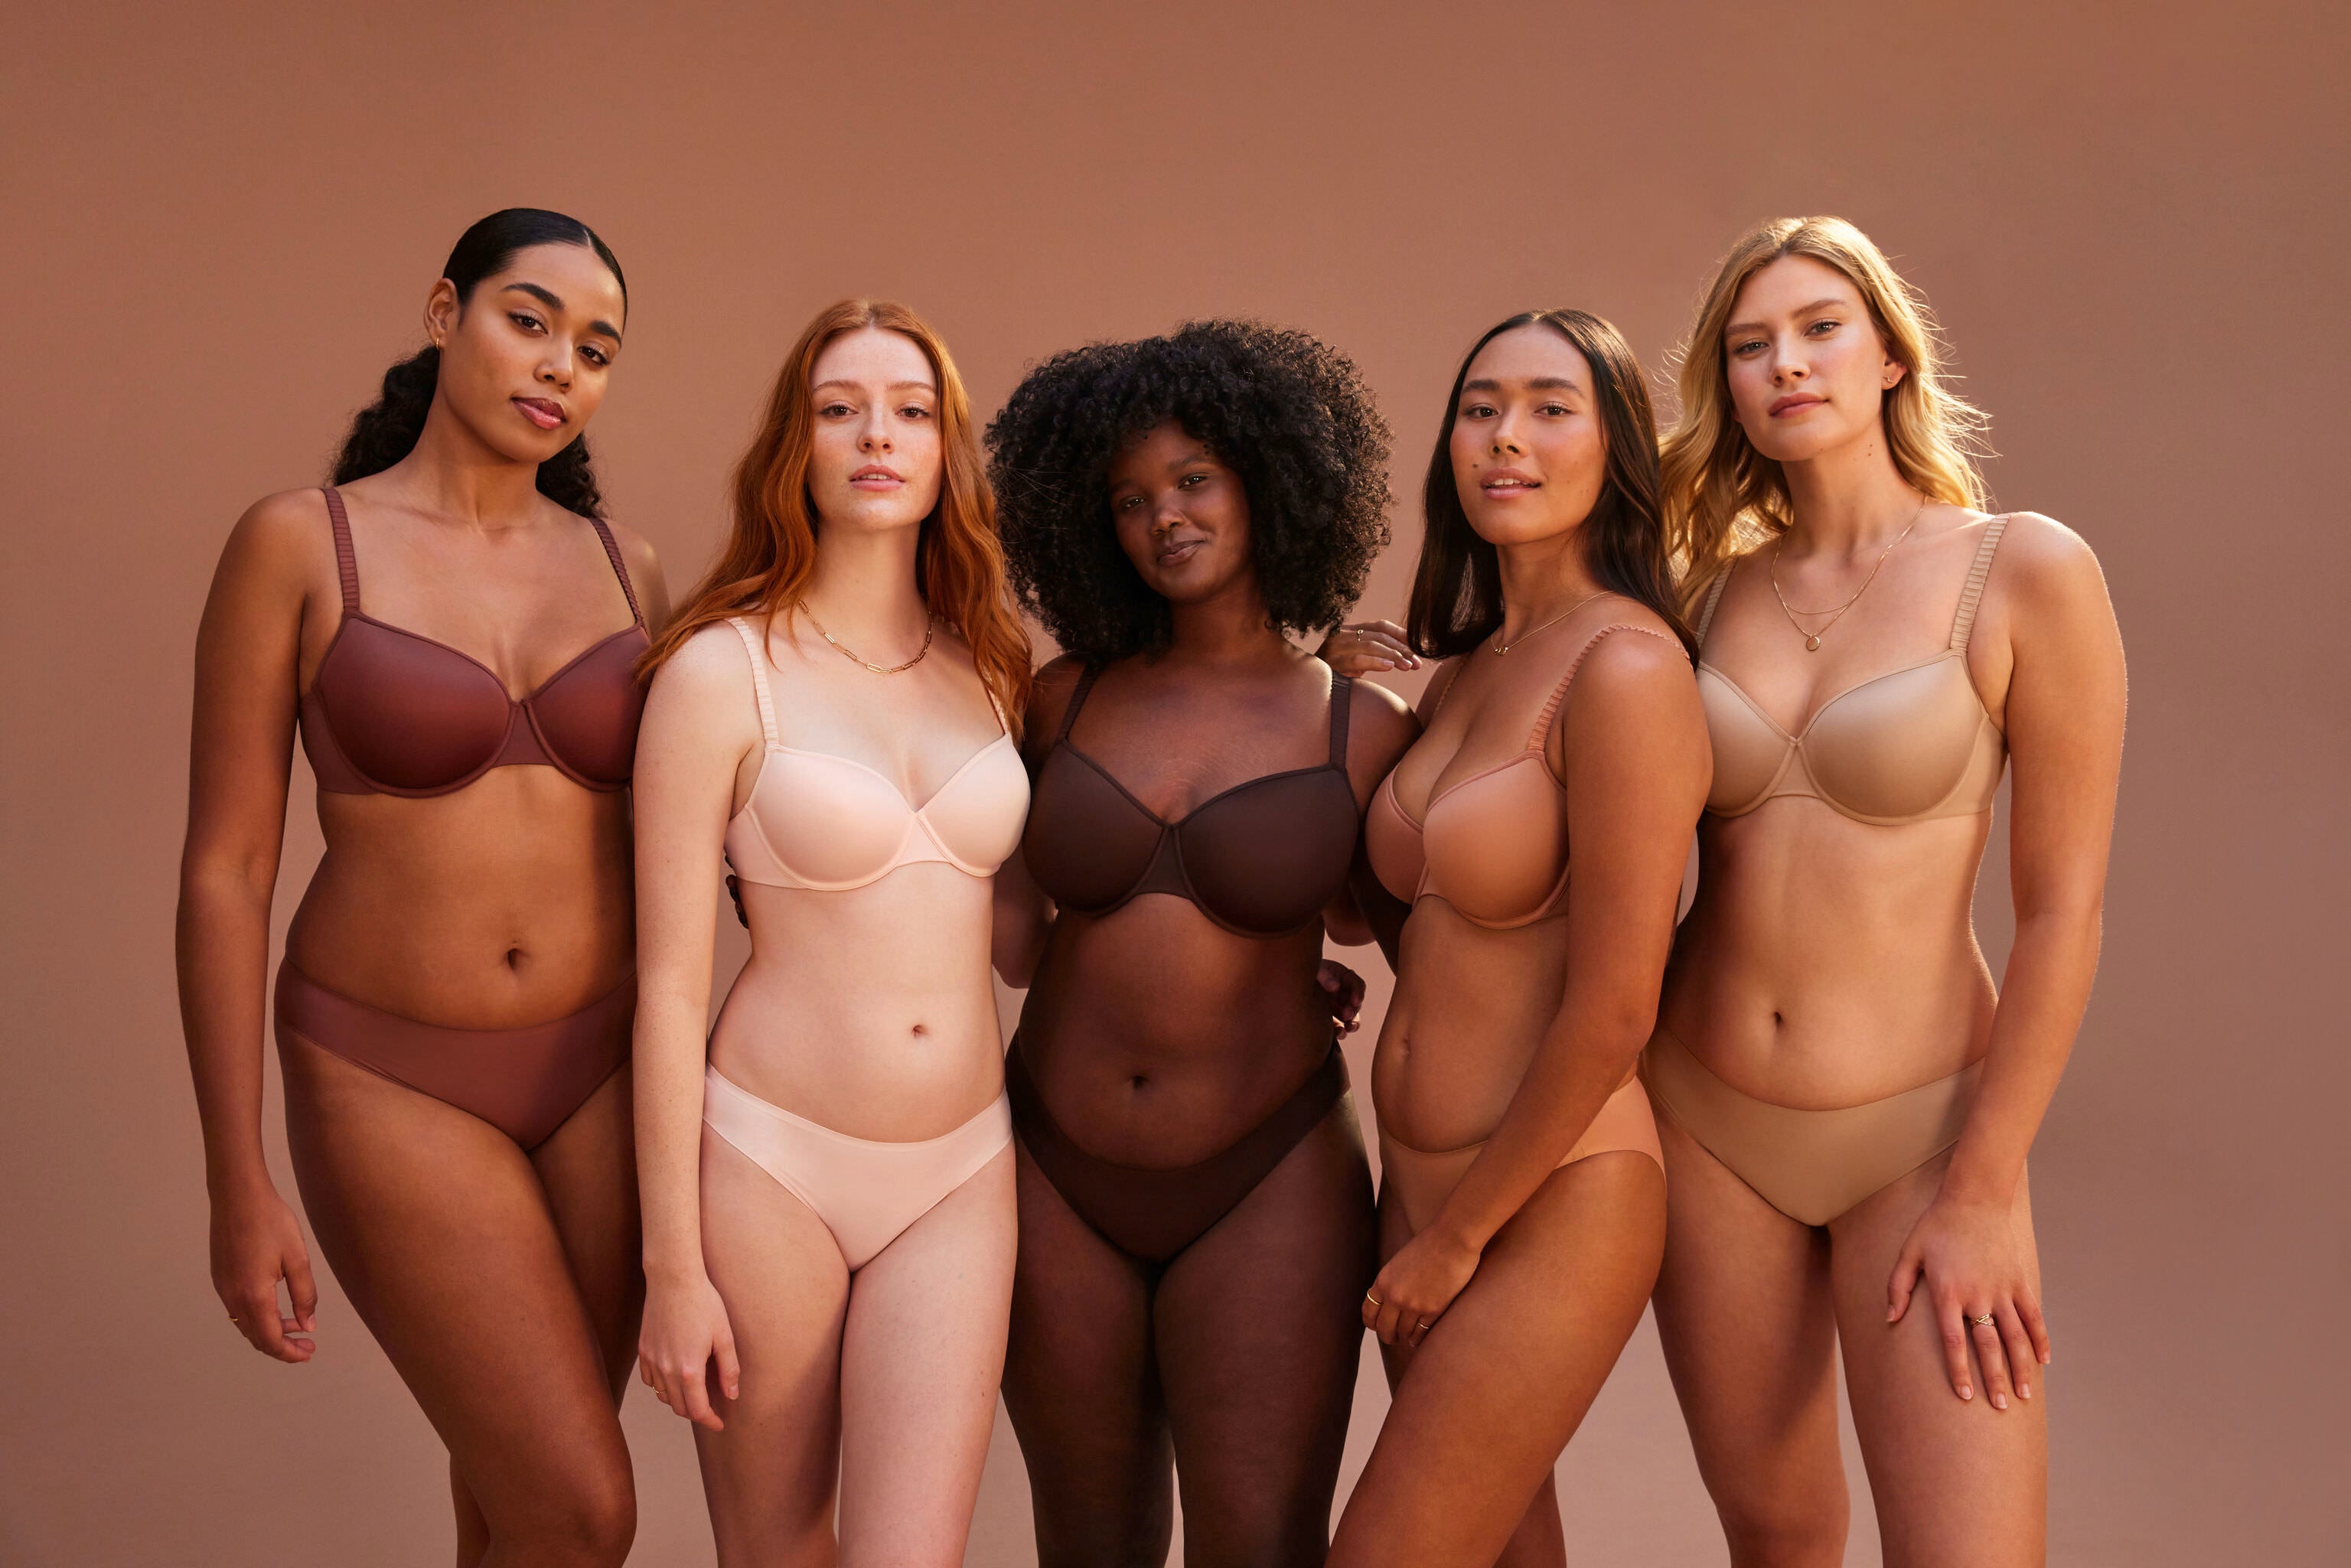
x=1835, y=613
x=1500, y=647
x=930, y=627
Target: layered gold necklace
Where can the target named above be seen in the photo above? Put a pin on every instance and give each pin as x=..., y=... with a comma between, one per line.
x=1835, y=613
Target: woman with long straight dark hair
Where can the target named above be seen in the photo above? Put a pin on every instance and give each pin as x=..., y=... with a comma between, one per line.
x=454, y=626
x=1522, y=1197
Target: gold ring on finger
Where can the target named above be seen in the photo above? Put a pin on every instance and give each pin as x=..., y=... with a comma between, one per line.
x=1984, y=1321
x=1371, y=1298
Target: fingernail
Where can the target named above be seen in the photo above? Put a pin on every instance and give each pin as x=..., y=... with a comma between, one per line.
x=2024, y=1391
x=1966, y=1392
x=2045, y=1358
x=2000, y=1401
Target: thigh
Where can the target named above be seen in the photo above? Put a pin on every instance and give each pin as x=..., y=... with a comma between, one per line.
x=589, y=1169
x=1955, y=1481
x=1260, y=1333
x=770, y=1476
x=440, y=1232
x=1498, y=1386
x=1082, y=1388
x=1749, y=1327
x=921, y=1360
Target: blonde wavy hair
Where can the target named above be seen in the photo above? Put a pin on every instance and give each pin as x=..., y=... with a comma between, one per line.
x=1723, y=497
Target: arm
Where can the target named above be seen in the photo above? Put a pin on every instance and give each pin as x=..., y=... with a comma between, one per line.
x=1024, y=916
x=700, y=735
x=1631, y=746
x=2064, y=716
x=248, y=648
x=1381, y=728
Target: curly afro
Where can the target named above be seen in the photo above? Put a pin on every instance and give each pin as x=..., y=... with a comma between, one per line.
x=1286, y=412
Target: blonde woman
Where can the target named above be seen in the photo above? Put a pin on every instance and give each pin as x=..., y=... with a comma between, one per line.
x=828, y=1185
x=1845, y=1100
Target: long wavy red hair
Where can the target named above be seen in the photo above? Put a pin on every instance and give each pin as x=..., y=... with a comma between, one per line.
x=771, y=552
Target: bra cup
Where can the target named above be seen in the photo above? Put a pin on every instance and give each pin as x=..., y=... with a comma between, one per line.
x=1748, y=753
x=588, y=714
x=976, y=817
x=827, y=822
x=1497, y=845
x=1085, y=844
x=1898, y=746
x=1266, y=859
x=1392, y=844
x=409, y=714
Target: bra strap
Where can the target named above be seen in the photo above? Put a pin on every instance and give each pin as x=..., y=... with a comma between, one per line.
x=1452, y=679
x=612, y=554
x=1077, y=700
x=1713, y=598
x=1342, y=697
x=752, y=644
x=1963, y=623
x=1559, y=692
x=346, y=566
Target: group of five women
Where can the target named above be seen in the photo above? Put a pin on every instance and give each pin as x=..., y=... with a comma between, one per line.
x=829, y=1227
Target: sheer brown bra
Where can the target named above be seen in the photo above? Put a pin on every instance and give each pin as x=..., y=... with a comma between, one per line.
x=1908, y=745
x=390, y=712
x=1260, y=859
x=1500, y=859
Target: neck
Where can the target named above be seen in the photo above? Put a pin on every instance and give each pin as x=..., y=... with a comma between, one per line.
x=1228, y=627
x=863, y=588
x=1540, y=579
x=453, y=474
x=1851, y=501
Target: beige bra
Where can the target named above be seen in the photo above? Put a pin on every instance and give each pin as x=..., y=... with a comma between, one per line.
x=1908, y=745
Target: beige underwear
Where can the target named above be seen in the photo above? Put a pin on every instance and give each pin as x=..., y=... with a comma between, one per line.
x=1810, y=1166
x=1421, y=1181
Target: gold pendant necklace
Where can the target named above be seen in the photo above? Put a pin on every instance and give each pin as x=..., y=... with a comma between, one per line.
x=1500, y=647
x=930, y=627
x=1835, y=613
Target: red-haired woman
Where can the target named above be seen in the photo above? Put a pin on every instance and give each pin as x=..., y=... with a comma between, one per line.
x=829, y=1190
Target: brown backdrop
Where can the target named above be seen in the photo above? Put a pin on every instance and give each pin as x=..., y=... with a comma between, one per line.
x=219, y=229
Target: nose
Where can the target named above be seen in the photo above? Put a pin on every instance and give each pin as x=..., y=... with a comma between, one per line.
x=1788, y=366
x=1167, y=515
x=1506, y=436
x=875, y=436
x=555, y=370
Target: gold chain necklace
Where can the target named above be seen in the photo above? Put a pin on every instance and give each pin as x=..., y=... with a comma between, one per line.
x=930, y=627
x=1835, y=613
x=1500, y=647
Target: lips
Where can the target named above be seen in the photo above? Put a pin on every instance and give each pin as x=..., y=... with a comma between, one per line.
x=1175, y=552
x=876, y=477
x=544, y=413
x=1504, y=483
x=1795, y=402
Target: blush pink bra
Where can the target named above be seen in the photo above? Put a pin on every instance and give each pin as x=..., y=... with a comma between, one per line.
x=1908, y=745
x=1494, y=846
x=393, y=713
x=829, y=823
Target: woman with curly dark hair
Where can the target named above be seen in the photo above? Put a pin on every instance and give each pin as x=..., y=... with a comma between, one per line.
x=452, y=628
x=1195, y=1207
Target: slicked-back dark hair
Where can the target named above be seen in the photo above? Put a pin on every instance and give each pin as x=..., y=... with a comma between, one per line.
x=386, y=430
x=1457, y=591
x=1284, y=411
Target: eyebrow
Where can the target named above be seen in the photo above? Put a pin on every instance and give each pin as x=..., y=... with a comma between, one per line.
x=1829, y=304
x=893, y=386
x=554, y=301
x=1546, y=383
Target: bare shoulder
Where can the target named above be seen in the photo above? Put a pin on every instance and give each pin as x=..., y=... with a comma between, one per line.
x=2041, y=560
x=1440, y=681
x=1637, y=653
x=710, y=665
x=281, y=543
x=1048, y=696
x=637, y=552
x=1379, y=721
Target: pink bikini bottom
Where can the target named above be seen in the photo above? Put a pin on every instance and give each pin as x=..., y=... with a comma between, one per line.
x=525, y=1081
x=866, y=1192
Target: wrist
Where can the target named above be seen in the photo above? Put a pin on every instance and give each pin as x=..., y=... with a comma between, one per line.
x=669, y=1273
x=242, y=1180
x=1975, y=1189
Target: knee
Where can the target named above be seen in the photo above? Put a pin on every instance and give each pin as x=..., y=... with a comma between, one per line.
x=592, y=1520
x=1785, y=1528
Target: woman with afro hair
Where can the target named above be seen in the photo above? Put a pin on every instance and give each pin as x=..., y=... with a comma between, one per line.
x=1196, y=1206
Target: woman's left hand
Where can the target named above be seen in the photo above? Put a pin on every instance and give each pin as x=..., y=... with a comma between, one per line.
x=1416, y=1286
x=1368, y=647
x=1346, y=988
x=1972, y=1262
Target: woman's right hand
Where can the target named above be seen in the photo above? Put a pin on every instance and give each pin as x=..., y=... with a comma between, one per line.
x=255, y=1242
x=685, y=1330
x=1367, y=647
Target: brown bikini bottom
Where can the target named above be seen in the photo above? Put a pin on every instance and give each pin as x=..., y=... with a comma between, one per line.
x=1153, y=1215
x=525, y=1081
x=1422, y=1179
x=1810, y=1166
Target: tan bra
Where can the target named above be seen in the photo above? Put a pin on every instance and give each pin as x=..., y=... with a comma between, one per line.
x=1908, y=745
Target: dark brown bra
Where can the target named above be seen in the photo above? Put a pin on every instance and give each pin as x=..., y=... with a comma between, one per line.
x=1260, y=859
x=393, y=713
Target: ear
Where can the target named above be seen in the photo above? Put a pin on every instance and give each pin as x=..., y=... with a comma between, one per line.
x=441, y=312
x=1890, y=375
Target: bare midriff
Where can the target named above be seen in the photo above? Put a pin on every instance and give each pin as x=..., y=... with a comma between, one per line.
x=1829, y=962
x=1470, y=1008
x=868, y=1010
x=1160, y=1038
x=507, y=904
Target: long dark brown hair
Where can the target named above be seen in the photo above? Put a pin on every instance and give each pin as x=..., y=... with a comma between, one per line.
x=1457, y=592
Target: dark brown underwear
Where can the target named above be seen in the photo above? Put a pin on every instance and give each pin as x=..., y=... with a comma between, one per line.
x=1153, y=1215
x=525, y=1081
